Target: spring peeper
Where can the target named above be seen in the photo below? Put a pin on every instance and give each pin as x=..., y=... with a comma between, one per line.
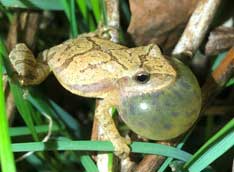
x=157, y=98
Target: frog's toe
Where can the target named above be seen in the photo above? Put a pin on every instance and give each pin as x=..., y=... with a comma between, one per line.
x=105, y=32
x=24, y=79
x=122, y=149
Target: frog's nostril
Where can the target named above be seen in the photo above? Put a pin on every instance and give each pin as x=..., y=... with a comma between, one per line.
x=142, y=77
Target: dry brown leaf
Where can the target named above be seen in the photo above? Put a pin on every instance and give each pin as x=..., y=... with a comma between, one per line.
x=159, y=21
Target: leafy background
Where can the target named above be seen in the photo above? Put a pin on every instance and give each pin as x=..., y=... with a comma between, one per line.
x=72, y=116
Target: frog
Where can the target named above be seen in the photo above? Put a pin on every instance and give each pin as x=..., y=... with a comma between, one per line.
x=133, y=80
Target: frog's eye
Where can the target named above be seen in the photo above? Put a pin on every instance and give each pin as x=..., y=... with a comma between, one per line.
x=142, y=77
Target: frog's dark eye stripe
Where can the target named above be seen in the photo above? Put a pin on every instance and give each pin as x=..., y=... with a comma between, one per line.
x=142, y=77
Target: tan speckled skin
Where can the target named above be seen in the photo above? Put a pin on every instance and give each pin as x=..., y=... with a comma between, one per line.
x=94, y=67
x=91, y=66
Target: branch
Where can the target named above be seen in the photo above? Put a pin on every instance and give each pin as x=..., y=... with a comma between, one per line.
x=220, y=39
x=112, y=11
x=196, y=28
x=218, y=79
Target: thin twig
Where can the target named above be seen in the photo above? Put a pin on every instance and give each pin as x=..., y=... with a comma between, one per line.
x=112, y=10
x=150, y=163
x=45, y=139
x=217, y=80
x=25, y=23
x=127, y=165
x=225, y=70
x=197, y=27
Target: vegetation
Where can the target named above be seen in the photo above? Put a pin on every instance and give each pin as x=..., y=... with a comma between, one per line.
x=59, y=139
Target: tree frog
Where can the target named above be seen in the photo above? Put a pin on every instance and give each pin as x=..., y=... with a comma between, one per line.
x=157, y=98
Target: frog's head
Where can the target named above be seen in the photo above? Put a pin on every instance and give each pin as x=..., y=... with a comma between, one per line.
x=154, y=72
x=162, y=99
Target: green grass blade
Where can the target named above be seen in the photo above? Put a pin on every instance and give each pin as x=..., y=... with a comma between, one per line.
x=230, y=82
x=153, y=148
x=96, y=9
x=40, y=102
x=66, y=8
x=179, y=146
x=103, y=7
x=6, y=155
x=83, y=8
x=38, y=4
x=36, y=162
x=69, y=9
x=73, y=18
x=85, y=160
x=91, y=23
x=136, y=147
x=88, y=18
x=218, y=60
x=24, y=107
x=6, y=12
x=47, y=106
x=125, y=10
x=213, y=148
x=67, y=119
x=88, y=163
x=22, y=131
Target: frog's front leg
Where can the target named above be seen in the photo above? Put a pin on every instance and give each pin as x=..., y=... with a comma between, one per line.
x=29, y=71
x=107, y=124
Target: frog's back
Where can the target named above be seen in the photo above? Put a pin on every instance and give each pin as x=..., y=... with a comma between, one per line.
x=86, y=66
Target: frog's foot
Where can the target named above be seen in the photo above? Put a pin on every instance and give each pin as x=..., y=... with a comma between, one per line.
x=23, y=63
x=108, y=32
x=104, y=32
x=121, y=147
x=28, y=70
x=109, y=129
